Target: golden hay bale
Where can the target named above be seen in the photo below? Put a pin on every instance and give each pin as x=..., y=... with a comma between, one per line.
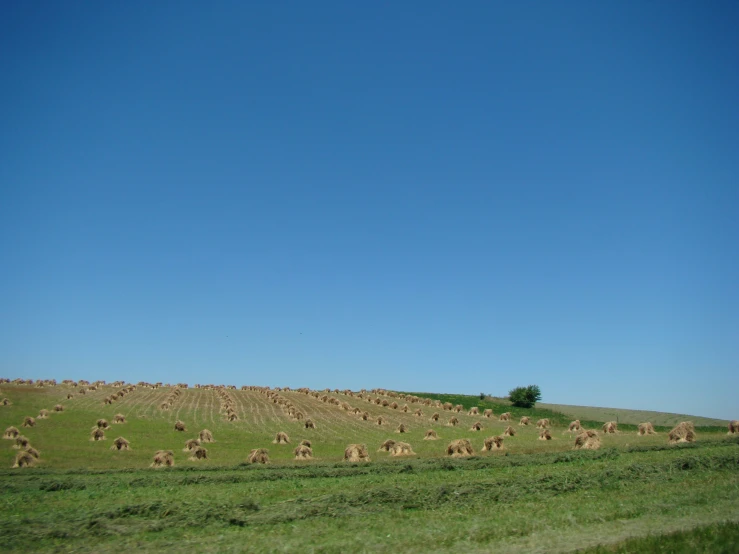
x=682, y=432
x=164, y=406
x=11, y=432
x=459, y=408
x=309, y=424
x=542, y=423
x=474, y=411
x=303, y=452
x=545, y=435
x=356, y=453
x=102, y=424
x=402, y=449
x=6, y=402
x=476, y=426
x=575, y=426
x=97, y=434
x=386, y=446
x=306, y=442
x=418, y=413
x=610, y=427
x=199, y=453
x=119, y=418
x=28, y=421
x=435, y=417
x=447, y=406
x=733, y=427
x=587, y=440
x=43, y=414
x=70, y=396
x=460, y=448
x=509, y=432
x=505, y=416
x=206, y=436
x=646, y=429
x=401, y=428
x=365, y=416
x=281, y=438
x=380, y=420
x=525, y=420
x=492, y=443
x=24, y=459
x=21, y=442
x=232, y=417
x=163, y=458
x=488, y=413
x=404, y=409
x=121, y=444
x=453, y=421
x=179, y=426
x=430, y=435
x=258, y=456
x=191, y=444
x=32, y=451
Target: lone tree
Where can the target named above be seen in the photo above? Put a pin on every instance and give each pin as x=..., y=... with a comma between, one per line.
x=525, y=397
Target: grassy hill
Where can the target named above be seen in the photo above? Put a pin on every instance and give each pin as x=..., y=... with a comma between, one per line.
x=532, y=496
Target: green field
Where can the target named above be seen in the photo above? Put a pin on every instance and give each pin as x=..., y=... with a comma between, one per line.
x=635, y=494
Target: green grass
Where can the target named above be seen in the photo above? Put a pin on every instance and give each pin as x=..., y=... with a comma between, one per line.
x=534, y=496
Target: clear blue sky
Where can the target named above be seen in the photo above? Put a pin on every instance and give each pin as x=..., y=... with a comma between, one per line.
x=413, y=195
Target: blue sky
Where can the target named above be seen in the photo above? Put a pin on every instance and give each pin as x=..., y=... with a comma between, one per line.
x=417, y=196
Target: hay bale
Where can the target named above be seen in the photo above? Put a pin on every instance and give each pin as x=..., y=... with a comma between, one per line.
x=303, y=452
x=199, y=453
x=356, y=453
x=430, y=435
x=646, y=429
x=21, y=442
x=206, y=436
x=460, y=448
x=418, y=413
x=733, y=427
x=587, y=440
x=453, y=422
x=474, y=411
x=545, y=435
x=575, y=426
x=509, y=432
x=11, y=433
x=6, y=402
x=488, y=413
x=191, y=444
x=435, y=417
x=232, y=417
x=610, y=427
x=306, y=442
x=179, y=426
x=121, y=444
x=386, y=446
x=525, y=420
x=447, y=406
x=543, y=423
x=505, y=416
x=309, y=424
x=97, y=434
x=281, y=438
x=32, y=451
x=365, y=416
x=258, y=456
x=682, y=432
x=458, y=408
x=43, y=414
x=70, y=396
x=24, y=459
x=477, y=426
x=401, y=428
x=402, y=449
x=492, y=443
x=380, y=420
x=119, y=419
x=28, y=421
x=163, y=458
x=102, y=424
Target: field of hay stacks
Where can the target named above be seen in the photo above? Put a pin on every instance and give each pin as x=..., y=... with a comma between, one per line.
x=104, y=466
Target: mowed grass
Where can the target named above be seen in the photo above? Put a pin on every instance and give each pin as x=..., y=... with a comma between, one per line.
x=534, y=496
